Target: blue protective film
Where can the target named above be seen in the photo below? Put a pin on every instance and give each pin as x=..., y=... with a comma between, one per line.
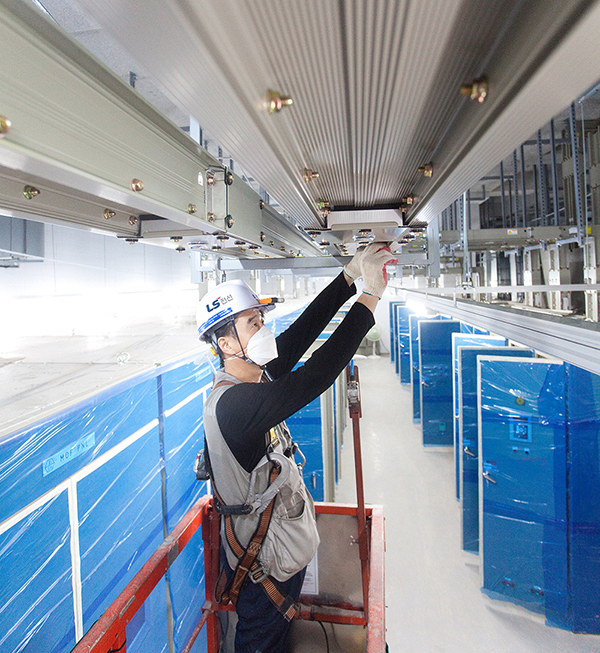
x=402, y=346
x=522, y=482
x=415, y=365
x=583, y=429
x=394, y=330
x=435, y=355
x=465, y=339
x=468, y=429
x=111, y=476
x=36, y=592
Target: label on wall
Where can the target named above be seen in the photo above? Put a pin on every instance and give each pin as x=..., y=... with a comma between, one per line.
x=63, y=457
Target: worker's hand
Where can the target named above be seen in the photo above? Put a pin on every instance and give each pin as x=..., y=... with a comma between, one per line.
x=353, y=268
x=372, y=264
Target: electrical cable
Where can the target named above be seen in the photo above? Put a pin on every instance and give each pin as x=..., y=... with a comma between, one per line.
x=325, y=633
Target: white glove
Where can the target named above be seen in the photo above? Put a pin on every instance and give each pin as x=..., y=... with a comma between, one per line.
x=353, y=268
x=373, y=262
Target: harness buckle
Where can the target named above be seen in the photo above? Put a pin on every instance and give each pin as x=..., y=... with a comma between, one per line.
x=259, y=575
x=254, y=548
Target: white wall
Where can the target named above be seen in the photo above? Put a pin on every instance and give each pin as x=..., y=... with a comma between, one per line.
x=91, y=284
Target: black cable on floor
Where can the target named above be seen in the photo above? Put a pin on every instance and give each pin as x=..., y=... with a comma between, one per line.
x=325, y=633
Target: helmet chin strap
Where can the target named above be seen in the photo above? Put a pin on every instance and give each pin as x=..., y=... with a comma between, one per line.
x=242, y=354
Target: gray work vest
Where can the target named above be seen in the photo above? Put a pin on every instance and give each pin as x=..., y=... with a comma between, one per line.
x=292, y=539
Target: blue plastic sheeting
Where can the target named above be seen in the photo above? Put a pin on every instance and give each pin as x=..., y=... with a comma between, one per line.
x=404, y=355
x=115, y=536
x=468, y=436
x=182, y=394
x=280, y=324
x=413, y=324
x=305, y=427
x=40, y=457
x=36, y=594
x=148, y=630
x=187, y=592
x=464, y=339
x=435, y=355
x=105, y=480
x=469, y=328
x=401, y=341
x=394, y=330
x=583, y=427
x=522, y=448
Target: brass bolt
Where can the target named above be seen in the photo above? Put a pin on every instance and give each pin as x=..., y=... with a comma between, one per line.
x=325, y=243
x=282, y=248
x=276, y=102
x=192, y=208
x=137, y=186
x=210, y=179
x=252, y=246
x=222, y=238
x=175, y=239
x=323, y=204
x=211, y=217
x=5, y=125
x=229, y=178
x=133, y=220
x=309, y=175
x=229, y=221
x=108, y=214
x=239, y=243
x=313, y=234
x=476, y=90
x=271, y=243
x=131, y=241
x=216, y=247
x=180, y=249
x=30, y=192
x=427, y=169
x=262, y=237
x=261, y=204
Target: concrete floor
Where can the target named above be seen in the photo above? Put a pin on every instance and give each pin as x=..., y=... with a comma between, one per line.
x=434, y=604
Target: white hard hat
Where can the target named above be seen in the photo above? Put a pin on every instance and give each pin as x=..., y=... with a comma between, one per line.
x=224, y=302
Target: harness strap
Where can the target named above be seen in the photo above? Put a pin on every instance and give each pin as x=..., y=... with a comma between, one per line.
x=249, y=566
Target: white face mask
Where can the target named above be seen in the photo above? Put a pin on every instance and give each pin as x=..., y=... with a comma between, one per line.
x=262, y=347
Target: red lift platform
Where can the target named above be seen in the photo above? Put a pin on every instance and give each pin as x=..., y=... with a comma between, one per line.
x=350, y=593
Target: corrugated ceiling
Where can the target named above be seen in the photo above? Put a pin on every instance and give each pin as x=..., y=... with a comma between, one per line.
x=375, y=85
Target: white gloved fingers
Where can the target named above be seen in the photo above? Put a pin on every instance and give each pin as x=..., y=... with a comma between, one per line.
x=353, y=269
x=376, y=257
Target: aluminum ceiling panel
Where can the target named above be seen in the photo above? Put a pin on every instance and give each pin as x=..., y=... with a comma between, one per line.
x=375, y=86
x=362, y=76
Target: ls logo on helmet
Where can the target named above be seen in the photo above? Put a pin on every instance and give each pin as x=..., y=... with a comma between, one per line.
x=219, y=301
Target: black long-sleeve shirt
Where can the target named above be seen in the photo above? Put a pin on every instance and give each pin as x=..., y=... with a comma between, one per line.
x=247, y=411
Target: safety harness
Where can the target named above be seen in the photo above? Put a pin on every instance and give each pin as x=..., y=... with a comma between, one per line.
x=227, y=591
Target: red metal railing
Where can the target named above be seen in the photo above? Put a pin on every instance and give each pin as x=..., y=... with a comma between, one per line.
x=109, y=631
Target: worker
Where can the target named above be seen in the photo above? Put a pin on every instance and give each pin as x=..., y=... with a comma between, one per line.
x=269, y=528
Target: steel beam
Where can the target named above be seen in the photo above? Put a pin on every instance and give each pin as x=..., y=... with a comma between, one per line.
x=576, y=173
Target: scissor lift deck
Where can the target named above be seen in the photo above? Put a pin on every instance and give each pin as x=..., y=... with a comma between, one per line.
x=350, y=568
